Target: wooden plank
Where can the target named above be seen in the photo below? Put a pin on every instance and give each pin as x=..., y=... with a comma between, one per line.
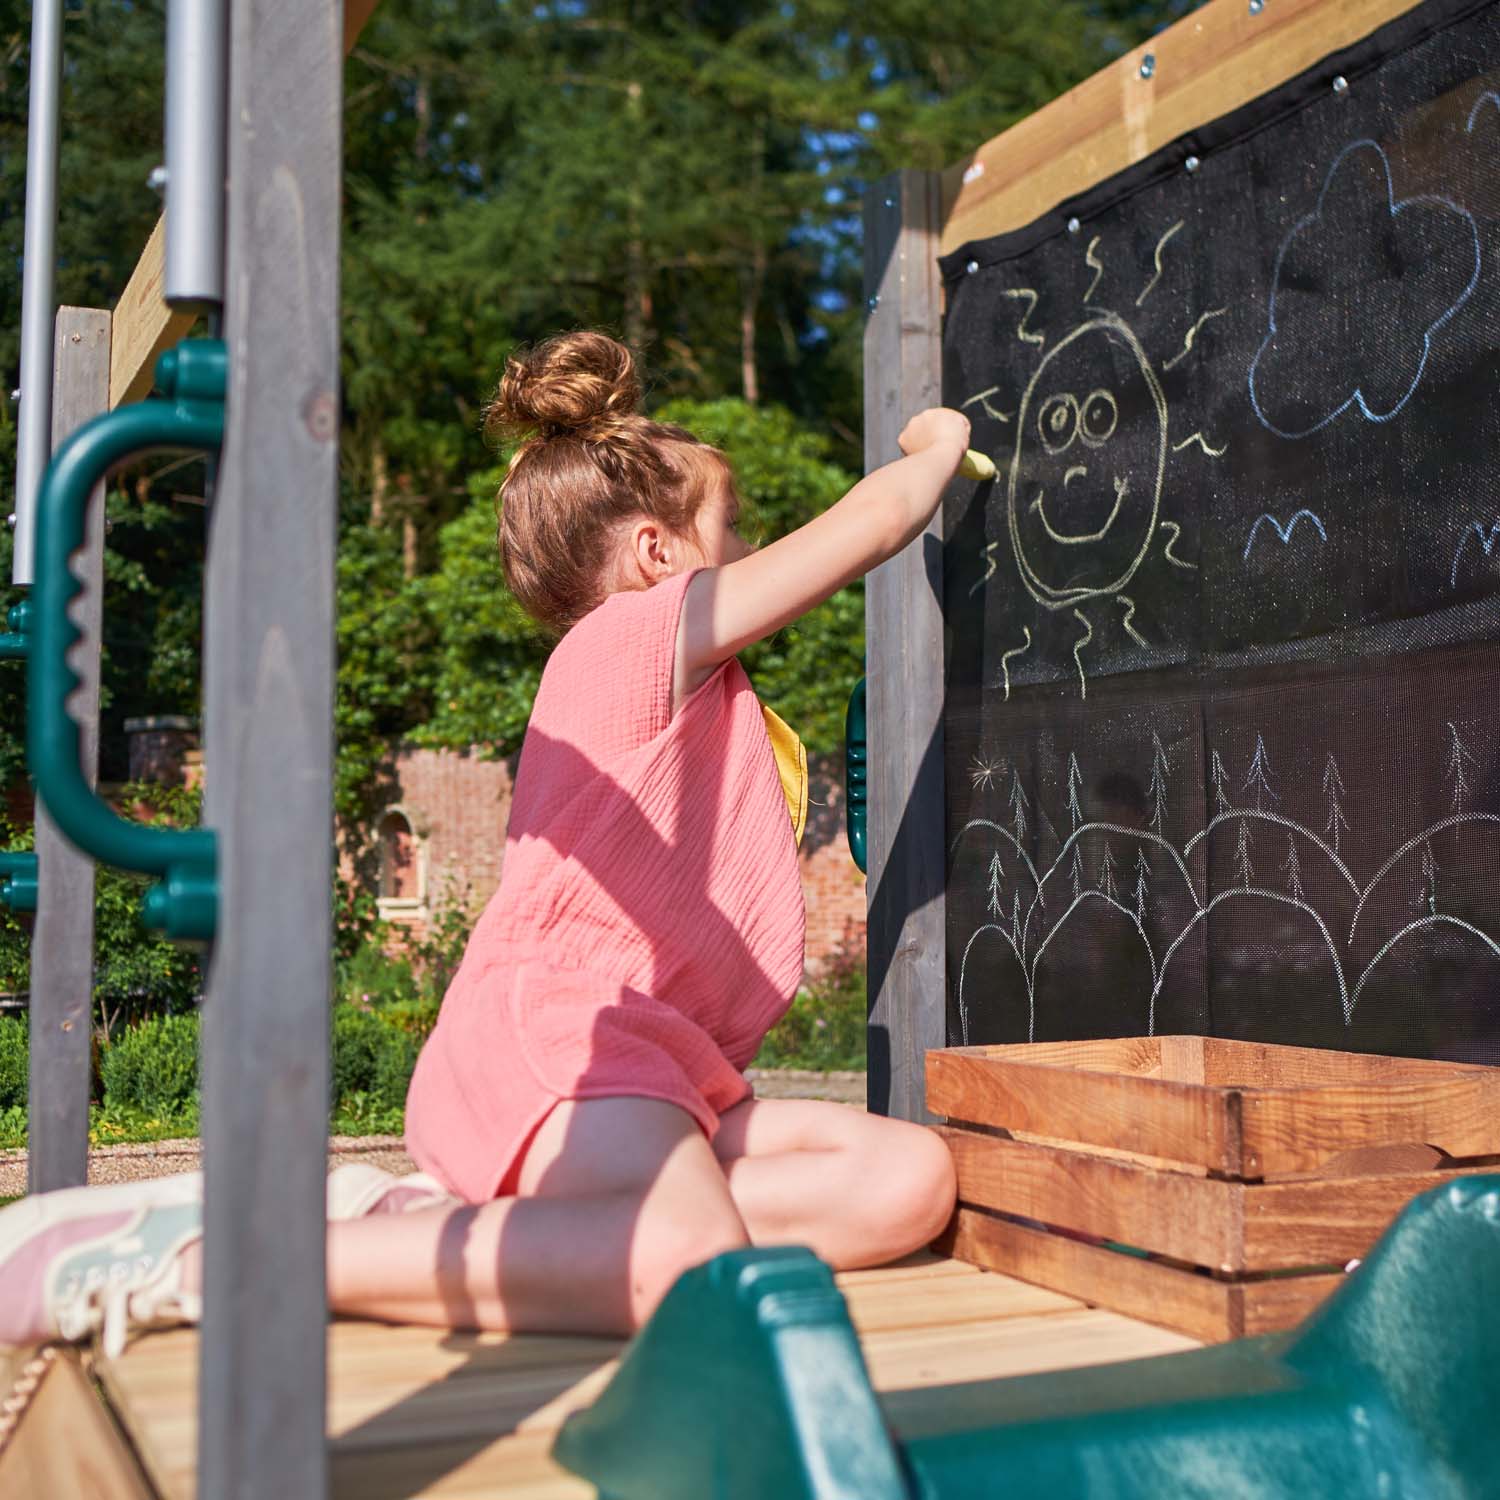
x=1198, y=1305
x=1209, y=63
x=144, y=324
x=1238, y=1064
x=65, y=1443
x=1196, y=1219
x=1297, y=1130
x=62, y=942
x=1140, y=1056
x=1155, y=1118
x=268, y=721
x=904, y=635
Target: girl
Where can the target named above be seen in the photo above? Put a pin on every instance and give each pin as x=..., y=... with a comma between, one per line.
x=580, y=1111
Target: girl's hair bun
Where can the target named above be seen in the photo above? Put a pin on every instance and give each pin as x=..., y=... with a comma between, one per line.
x=584, y=383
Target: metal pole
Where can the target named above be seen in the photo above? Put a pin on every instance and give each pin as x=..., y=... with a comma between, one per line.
x=39, y=256
x=197, y=80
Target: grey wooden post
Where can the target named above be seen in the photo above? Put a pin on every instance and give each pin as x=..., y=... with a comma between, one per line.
x=268, y=731
x=62, y=942
x=904, y=646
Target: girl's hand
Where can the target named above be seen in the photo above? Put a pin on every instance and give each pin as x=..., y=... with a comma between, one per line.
x=937, y=427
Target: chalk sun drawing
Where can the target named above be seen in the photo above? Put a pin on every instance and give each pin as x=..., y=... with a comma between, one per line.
x=1360, y=321
x=1030, y=933
x=1284, y=532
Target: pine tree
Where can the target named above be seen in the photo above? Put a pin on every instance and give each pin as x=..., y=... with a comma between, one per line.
x=1333, y=790
x=1220, y=778
x=997, y=874
x=1293, y=869
x=1015, y=919
x=1142, y=882
x=1018, y=805
x=1429, y=879
x=1259, y=776
x=1458, y=756
x=1107, y=873
x=1242, y=867
x=1077, y=873
x=1075, y=809
x=1157, y=790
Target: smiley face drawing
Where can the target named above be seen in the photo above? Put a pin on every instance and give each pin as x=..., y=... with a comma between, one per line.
x=1086, y=475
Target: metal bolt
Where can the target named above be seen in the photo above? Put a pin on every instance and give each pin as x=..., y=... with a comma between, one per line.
x=1256, y=6
x=1148, y=65
x=10, y=520
x=890, y=202
x=15, y=395
x=156, y=179
x=971, y=267
x=1192, y=164
x=1074, y=226
x=873, y=303
x=1341, y=85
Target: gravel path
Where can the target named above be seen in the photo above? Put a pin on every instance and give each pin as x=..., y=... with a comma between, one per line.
x=164, y=1158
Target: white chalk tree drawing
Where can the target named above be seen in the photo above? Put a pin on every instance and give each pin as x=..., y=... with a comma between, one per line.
x=997, y=876
x=1333, y=790
x=1157, y=788
x=1075, y=810
x=1161, y=867
x=1259, y=776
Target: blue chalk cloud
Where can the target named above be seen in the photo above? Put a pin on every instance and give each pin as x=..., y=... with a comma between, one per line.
x=1362, y=286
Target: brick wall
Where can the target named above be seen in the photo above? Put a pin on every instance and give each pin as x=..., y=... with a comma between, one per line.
x=456, y=805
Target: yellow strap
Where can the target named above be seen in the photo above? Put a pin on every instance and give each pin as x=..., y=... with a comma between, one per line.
x=791, y=764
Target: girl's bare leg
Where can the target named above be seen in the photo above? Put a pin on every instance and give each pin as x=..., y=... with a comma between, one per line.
x=617, y=1198
x=858, y=1189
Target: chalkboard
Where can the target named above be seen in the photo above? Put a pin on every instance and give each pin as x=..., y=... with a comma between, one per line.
x=1222, y=751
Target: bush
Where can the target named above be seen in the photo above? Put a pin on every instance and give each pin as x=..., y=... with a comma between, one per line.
x=13, y=1063
x=152, y=1067
x=824, y=1029
x=372, y=1062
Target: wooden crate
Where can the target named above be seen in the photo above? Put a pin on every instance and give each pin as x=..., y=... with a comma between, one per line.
x=1245, y=1177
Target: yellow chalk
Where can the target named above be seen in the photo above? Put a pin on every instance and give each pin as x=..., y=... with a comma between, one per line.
x=976, y=466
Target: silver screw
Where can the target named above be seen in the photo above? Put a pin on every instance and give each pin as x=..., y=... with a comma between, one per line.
x=15, y=395
x=156, y=179
x=890, y=202
x=1074, y=226
x=873, y=303
x=1256, y=6
x=1148, y=65
x=1192, y=164
x=1341, y=85
x=971, y=267
x=10, y=520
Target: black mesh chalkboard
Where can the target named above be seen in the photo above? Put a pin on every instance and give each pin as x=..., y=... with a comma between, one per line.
x=1222, y=749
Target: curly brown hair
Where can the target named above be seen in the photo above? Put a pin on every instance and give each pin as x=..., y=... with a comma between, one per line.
x=590, y=463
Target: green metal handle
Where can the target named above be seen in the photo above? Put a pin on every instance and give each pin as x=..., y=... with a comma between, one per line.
x=856, y=765
x=192, y=378
x=18, y=879
x=16, y=643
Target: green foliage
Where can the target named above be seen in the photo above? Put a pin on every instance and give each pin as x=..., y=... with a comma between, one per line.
x=372, y=1062
x=824, y=1029
x=152, y=1067
x=13, y=1062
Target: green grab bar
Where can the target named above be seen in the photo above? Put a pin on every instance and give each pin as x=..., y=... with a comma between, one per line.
x=192, y=379
x=18, y=879
x=16, y=643
x=856, y=765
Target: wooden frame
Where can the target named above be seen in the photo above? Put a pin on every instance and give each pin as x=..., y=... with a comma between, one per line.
x=1208, y=63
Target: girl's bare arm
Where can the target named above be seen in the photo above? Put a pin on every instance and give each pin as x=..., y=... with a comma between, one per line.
x=727, y=608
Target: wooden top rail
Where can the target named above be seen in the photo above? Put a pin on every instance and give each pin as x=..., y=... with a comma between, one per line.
x=143, y=323
x=1207, y=64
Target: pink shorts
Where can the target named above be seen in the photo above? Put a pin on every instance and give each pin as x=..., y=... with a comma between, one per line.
x=515, y=1037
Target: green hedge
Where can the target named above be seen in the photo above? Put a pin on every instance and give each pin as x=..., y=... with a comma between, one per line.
x=13, y=1054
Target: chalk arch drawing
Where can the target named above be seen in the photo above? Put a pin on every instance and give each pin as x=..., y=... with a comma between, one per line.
x=1466, y=230
x=1284, y=533
x=1436, y=919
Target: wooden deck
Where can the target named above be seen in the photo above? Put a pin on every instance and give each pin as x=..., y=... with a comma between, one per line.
x=414, y=1412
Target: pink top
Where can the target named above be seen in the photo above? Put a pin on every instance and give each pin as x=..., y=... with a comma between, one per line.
x=648, y=928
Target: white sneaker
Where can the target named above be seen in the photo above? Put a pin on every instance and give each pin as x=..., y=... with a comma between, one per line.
x=357, y=1190
x=104, y=1260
